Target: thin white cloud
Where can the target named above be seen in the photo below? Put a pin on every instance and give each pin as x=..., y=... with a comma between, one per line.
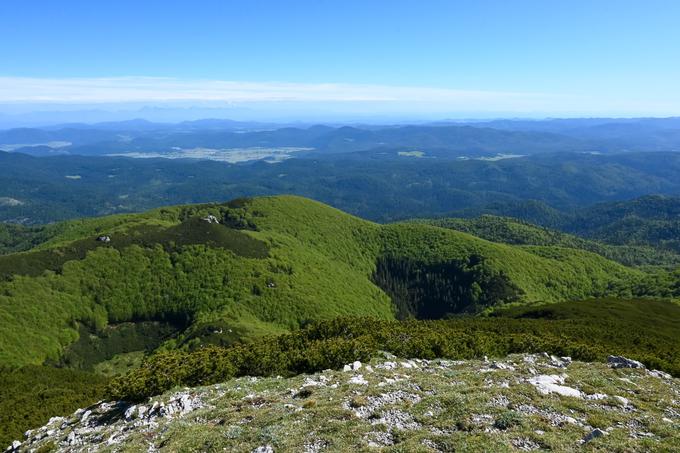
x=151, y=89
x=364, y=98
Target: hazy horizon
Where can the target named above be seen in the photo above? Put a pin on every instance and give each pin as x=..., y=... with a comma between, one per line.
x=47, y=115
x=319, y=61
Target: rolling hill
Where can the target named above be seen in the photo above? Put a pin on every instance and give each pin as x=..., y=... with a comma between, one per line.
x=271, y=264
x=195, y=294
x=509, y=230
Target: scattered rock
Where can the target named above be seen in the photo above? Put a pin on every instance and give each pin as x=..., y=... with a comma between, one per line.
x=659, y=374
x=315, y=446
x=130, y=412
x=387, y=366
x=559, y=362
x=624, y=401
x=499, y=401
x=616, y=361
x=596, y=397
x=418, y=395
x=374, y=403
x=502, y=366
x=482, y=419
x=86, y=415
x=396, y=419
x=14, y=447
x=552, y=417
x=304, y=393
x=310, y=382
x=641, y=435
x=379, y=439
x=546, y=384
x=524, y=444
x=180, y=405
x=354, y=366
x=264, y=449
x=358, y=380
x=597, y=432
x=430, y=444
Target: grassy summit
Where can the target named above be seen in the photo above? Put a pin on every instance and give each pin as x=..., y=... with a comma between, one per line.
x=394, y=405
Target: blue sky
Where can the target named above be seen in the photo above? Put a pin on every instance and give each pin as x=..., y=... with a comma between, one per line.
x=524, y=57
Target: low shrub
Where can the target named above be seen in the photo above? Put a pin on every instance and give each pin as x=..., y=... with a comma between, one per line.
x=588, y=330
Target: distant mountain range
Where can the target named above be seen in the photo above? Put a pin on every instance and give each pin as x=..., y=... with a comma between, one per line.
x=439, y=140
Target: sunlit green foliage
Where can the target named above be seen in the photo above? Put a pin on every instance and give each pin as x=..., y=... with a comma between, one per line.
x=17, y=238
x=646, y=330
x=33, y=394
x=508, y=230
x=271, y=264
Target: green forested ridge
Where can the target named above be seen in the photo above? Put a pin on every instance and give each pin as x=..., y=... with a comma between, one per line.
x=644, y=230
x=650, y=220
x=17, y=238
x=297, y=279
x=270, y=265
x=514, y=231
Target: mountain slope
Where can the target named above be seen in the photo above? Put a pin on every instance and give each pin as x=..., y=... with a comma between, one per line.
x=645, y=330
x=509, y=230
x=651, y=220
x=269, y=265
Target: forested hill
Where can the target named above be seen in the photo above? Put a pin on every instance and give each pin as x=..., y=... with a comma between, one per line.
x=641, y=240
x=650, y=220
x=634, y=227
x=269, y=265
x=157, y=291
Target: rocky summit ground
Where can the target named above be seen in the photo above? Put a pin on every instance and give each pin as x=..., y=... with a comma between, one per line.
x=520, y=403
